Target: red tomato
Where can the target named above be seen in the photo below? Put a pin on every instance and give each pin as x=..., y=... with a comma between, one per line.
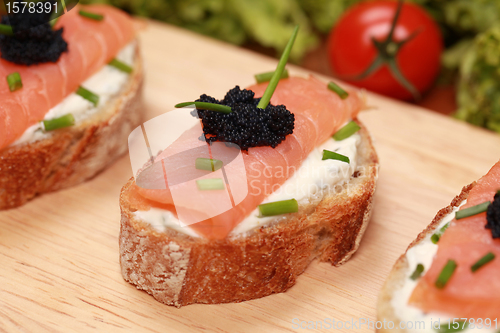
x=351, y=49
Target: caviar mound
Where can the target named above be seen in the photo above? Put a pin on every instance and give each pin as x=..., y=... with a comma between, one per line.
x=247, y=126
x=33, y=41
x=493, y=217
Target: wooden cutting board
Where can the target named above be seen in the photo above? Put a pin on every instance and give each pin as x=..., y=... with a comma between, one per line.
x=59, y=253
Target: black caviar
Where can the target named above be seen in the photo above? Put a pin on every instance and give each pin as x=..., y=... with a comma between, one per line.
x=493, y=216
x=247, y=126
x=34, y=41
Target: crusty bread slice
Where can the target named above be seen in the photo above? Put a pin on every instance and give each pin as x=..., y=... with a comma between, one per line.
x=179, y=270
x=72, y=155
x=399, y=272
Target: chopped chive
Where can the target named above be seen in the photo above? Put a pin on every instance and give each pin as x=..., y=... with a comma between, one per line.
x=206, y=106
x=279, y=207
x=210, y=184
x=471, y=211
x=54, y=17
x=346, y=131
x=483, y=261
x=437, y=235
x=6, y=29
x=92, y=16
x=14, y=81
x=265, y=77
x=330, y=155
x=450, y=327
x=121, y=66
x=208, y=164
x=446, y=274
x=417, y=272
x=88, y=95
x=53, y=22
x=339, y=91
x=264, y=101
x=56, y=123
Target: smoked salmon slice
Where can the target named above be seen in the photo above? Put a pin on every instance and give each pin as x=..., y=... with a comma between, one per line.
x=318, y=114
x=467, y=294
x=91, y=45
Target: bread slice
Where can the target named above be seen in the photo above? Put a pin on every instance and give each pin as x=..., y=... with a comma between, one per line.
x=400, y=272
x=179, y=270
x=74, y=154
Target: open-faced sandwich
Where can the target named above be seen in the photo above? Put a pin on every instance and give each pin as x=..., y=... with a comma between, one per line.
x=309, y=195
x=446, y=281
x=69, y=97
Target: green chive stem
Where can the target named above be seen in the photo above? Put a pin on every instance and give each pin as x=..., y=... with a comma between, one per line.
x=446, y=274
x=278, y=208
x=14, y=81
x=349, y=129
x=265, y=77
x=471, y=211
x=210, y=184
x=417, y=272
x=88, y=95
x=56, y=123
x=437, y=235
x=483, y=261
x=208, y=164
x=6, y=29
x=450, y=327
x=331, y=155
x=92, y=16
x=121, y=66
x=206, y=106
x=336, y=89
x=266, y=98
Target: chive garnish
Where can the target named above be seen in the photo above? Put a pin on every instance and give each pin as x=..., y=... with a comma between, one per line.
x=417, y=272
x=208, y=164
x=446, y=274
x=349, y=129
x=483, y=261
x=53, y=22
x=264, y=101
x=210, y=184
x=471, y=211
x=450, y=327
x=6, y=29
x=437, y=235
x=330, y=155
x=14, y=81
x=279, y=207
x=92, y=16
x=265, y=77
x=121, y=66
x=56, y=123
x=339, y=91
x=206, y=106
x=88, y=95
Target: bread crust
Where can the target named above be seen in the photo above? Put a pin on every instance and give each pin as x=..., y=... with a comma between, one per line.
x=75, y=154
x=397, y=276
x=179, y=270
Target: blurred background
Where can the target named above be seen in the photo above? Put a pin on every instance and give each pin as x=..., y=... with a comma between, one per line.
x=466, y=84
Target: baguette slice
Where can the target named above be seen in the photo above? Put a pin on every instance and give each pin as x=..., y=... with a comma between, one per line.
x=72, y=155
x=400, y=272
x=179, y=270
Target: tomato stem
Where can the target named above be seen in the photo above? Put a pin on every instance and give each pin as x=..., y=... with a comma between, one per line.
x=388, y=50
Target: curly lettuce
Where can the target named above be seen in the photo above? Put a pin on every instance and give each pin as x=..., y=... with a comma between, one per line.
x=479, y=86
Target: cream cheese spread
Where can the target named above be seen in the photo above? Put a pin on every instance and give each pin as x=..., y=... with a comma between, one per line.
x=308, y=184
x=106, y=83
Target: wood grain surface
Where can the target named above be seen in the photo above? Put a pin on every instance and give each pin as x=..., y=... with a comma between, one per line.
x=59, y=253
